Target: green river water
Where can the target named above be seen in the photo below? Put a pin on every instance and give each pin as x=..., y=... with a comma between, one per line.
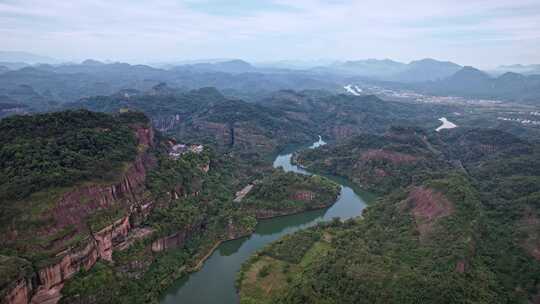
x=214, y=283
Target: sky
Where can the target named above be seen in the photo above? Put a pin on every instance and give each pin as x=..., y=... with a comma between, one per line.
x=483, y=33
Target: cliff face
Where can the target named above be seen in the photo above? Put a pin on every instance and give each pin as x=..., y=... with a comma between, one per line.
x=172, y=241
x=427, y=207
x=80, y=203
x=21, y=293
x=73, y=210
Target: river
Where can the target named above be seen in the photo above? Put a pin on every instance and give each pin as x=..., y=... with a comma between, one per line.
x=446, y=124
x=214, y=283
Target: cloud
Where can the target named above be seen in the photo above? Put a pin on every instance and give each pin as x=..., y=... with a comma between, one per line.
x=477, y=32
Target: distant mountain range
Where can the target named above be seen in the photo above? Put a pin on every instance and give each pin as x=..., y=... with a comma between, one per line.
x=389, y=70
x=231, y=66
x=471, y=82
x=45, y=86
x=518, y=68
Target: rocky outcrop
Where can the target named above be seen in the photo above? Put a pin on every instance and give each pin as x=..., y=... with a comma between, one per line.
x=78, y=204
x=177, y=239
x=21, y=293
x=99, y=246
x=172, y=241
x=427, y=207
x=166, y=123
x=115, y=233
x=72, y=210
x=306, y=196
x=51, y=278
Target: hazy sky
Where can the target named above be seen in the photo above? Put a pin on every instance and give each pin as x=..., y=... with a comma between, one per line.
x=475, y=32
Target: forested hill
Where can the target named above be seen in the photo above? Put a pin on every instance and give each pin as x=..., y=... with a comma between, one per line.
x=45, y=156
x=95, y=206
x=62, y=149
x=459, y=222
x=205, y=115
x=60, y=174
x=268, y=124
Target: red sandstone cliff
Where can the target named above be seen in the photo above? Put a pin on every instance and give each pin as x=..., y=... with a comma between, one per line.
x=72, y=210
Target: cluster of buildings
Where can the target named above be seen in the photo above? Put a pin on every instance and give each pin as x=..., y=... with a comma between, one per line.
x=406, y=95
x=522, y=121
x=177, y=150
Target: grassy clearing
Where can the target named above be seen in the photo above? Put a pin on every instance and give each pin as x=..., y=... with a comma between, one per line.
x=264, y=279
x=266, y=275
x=317, y=251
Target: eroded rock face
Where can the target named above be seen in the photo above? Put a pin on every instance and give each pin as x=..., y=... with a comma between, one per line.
x=167, y=123
x=176, y=240
x=427, y=207
x=107, y=236
x=72, y=210
x=172, y=241
x=78, y=204
x=50, y=279
x=306, y=196
x=21, y=293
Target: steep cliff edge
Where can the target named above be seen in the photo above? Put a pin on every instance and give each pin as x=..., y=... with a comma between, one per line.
x=79, y=225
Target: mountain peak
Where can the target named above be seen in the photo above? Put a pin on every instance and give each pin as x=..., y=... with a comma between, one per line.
x=431, y=61
x=471, y=70
x=511, y=76
x=92, y=62
x=467, y=74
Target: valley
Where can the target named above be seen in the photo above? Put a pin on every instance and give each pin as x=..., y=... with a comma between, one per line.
x=215, y=282
x=168, y=194
x=269, y=152
x=433, y=235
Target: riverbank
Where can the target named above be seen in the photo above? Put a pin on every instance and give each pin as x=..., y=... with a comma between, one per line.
x=215, y=280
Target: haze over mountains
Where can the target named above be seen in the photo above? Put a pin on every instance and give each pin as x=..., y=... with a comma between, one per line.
x=270, y=152
x=44, y=86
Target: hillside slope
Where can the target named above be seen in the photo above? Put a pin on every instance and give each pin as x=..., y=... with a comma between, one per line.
x=97, y=207
x=460, y=226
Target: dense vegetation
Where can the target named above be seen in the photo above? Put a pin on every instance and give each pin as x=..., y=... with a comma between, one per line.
x=43, y=156
x=378, y=163
x=251, y=131
x=467, y=234
x=204, y=210
x=60, y=149
x=481, y=244
x=287, y=192
x=192, y=197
